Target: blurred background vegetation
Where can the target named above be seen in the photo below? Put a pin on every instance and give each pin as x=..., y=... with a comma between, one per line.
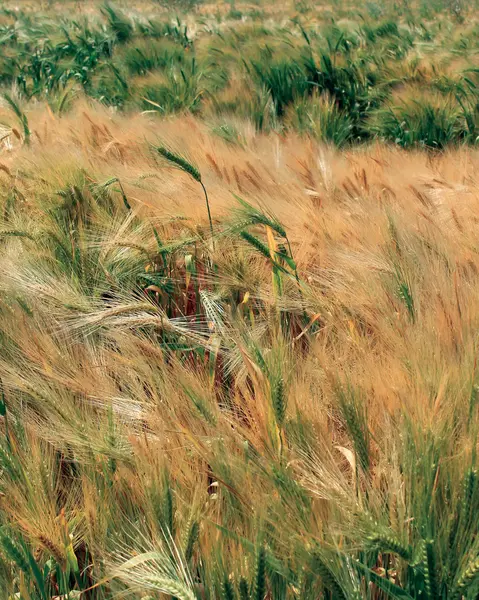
x=404, y=72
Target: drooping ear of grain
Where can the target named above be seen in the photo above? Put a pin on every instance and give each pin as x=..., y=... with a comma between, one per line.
x=388, y=543
x=180, y=161
x=328, y=579
x=256, y=243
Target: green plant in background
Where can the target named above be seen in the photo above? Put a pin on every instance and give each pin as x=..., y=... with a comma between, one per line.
x=320, y=117
x=355, y=65
x=118, y=23
x=283, y=80
x=142, y=57
x=419, y=123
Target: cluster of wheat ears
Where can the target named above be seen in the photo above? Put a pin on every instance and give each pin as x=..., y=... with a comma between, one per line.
x=235, y=363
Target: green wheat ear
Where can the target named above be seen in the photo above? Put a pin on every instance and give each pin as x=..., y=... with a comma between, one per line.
x=13, y=553
x=329, y=580
x=187, y=167
x=228, y=590
x=467, y=578
x=181, y=162
x=279, y=399
x=193, y=535
x=256, y=243
x=430, y=569
x=469, y=486
x=243, y=589
x=168, y=508
x=385, y=543
x=260, y=580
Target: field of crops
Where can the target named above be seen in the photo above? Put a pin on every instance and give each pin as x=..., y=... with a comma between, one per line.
x=394, y=72
x=239, y=282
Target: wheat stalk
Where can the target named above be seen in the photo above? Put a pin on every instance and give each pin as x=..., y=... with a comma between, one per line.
x=187, y=167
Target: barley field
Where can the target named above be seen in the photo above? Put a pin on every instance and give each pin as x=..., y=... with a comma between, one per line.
x=239, y=317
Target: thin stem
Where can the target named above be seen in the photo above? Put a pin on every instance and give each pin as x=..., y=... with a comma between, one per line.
x=209, y=213
x=305, y=316
x=123, y=195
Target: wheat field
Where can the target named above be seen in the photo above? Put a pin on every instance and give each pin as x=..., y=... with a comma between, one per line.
x=237, y=362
